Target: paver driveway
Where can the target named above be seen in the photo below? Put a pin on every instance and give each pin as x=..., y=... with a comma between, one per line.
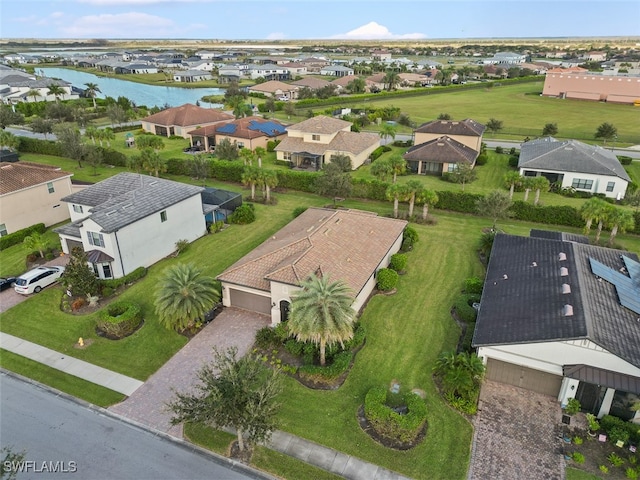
x=232, y=327
x=515, y=435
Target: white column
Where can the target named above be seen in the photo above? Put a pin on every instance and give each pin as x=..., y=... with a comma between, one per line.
x=606, y=402
x=567, y=390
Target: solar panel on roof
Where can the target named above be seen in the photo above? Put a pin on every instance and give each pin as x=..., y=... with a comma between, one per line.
x=227, y=128
x=628, y=292
x=268, y=128
x=633, y=268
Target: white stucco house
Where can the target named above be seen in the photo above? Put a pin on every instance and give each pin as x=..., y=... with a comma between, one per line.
x=574, y=164
x=131, y=220
x=322, y=241
x=561, y=317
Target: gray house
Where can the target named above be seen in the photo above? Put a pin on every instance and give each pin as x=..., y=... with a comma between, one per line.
x=573, y=164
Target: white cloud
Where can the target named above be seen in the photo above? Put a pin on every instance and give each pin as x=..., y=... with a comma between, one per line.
x=276, y=36
x=122, y=25
x=375, y=31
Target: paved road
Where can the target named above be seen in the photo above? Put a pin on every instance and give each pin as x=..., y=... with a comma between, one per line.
x=89, y=444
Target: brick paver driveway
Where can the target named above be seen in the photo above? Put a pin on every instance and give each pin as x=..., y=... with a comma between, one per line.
x=232, y=327
x=515, y=435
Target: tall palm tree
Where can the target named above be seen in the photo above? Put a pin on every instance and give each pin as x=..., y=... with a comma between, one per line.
x=590, y=210
x=269, y=180
x=427, y=198
x=152, y=162
x=33, y=93
x=8, y=140
x=512, y=180
x=527, y=184
x=184, y=294
x=398, y=165
x=620, y=221
x=387, y=131
x=539, y=184
x=260, y=152
x=396, y=192
x=321, y=313
x=391, y=79
x=92, y=133
x=602, y=217
x=250, y=177
x=56, y=90
x=381, y=169
x=414, y=187
x=92, y=91
x=108, y=135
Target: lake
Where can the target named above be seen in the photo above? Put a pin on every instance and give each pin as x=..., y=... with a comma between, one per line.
x=139, y=93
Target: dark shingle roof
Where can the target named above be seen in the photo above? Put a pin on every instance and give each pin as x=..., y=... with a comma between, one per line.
x=550, y=235
x=451, y=127
x=527, y=305
x=570, y=156
x=127, y=197
x=441, y=150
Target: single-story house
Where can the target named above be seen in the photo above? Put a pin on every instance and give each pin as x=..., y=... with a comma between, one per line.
x=268, y=71
x=314, y=83
x=181, y=120
x=276, y=89
x=218, y=204
x=574, y=164
x=247, y=132
x=467, y=132
x=31, y=193
x=336, y=71
x=312, y=143
x=561, y=317
x=190, y=76
x=131, y=220
x=440, y=155
x=323, y=241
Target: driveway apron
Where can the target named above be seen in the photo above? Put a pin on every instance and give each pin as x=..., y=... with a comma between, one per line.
x=232, y=327
x=515, y=435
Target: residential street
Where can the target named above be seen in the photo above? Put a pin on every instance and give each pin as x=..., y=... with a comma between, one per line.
x=81, y=442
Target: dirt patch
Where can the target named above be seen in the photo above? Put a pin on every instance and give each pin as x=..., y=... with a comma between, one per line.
x=243, y=456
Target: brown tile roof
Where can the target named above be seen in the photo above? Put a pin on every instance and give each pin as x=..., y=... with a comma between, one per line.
x=451, y=127
x=441, y=150
x=242, y=128
x=567, y=70
x=273, y=86
x=347, y=79
x=20, y=175
x=187, y=115
x=377, y=78
x=311, y=82
x=351, y=142
x=330, y=240
x=320, y=125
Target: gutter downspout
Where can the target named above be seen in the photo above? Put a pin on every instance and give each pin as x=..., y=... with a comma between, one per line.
x=119, y=254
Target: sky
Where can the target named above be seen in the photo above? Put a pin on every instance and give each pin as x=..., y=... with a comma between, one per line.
x=317, y=19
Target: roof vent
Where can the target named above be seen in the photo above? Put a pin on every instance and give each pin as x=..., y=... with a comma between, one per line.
x=566, y=288
x=505, y=277
x=310, y=228
x=338, y=220
x=564, y=271
x=567, y=310
x=562, y=256
x=534, y=264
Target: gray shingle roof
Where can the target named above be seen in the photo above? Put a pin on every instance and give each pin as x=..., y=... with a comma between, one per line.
x=527, y=305
x=570, y=156
x=441, y=150
x=452, y=127
x=127, y=197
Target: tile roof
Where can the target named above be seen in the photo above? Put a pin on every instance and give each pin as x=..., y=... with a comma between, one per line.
x=451, y=127
x=527, y=305
x=441, y=150
x=273, y=86
x=311, y=82
x=128, y=197
x=351, y=142
x=187, y=115
x=547, y=153
x=247, y=127
x=325, y=239
x=17, y=176
x=550, y=235
x=320, y=125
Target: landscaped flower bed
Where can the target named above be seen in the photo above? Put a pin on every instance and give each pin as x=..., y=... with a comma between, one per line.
x=119, y=320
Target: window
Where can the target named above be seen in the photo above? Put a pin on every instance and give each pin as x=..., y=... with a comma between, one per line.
x=315, y=137
x=286, y=156
x=240, y=144
x=50, y=187
x=77, y=208
x=610, y=186
x=452, y=167
x=106, y=270
x=163, y=216
x=3, y=229
x=95, y=239
x=582, y=184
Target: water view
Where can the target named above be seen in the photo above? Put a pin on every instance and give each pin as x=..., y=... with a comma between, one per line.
x=141, y=94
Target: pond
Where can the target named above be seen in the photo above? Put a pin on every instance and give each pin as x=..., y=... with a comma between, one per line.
x=140, y=94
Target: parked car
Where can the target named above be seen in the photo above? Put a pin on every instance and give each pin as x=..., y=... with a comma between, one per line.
x=6, y=283
x=35, y=280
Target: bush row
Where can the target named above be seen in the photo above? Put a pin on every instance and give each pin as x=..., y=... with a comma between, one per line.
x=119, y=319
x=337, y=367
x=114, y=283
x=17, y=237
x=41, y=147
x=391, y=424
x=617, y=429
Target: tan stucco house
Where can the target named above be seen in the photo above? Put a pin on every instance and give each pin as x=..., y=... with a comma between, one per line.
x=312, y=143
x=248, y=132
x=31, y=193
x=181, y=120
x=468, y=132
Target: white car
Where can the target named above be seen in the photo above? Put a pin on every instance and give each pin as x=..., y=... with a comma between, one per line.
x=35, y=280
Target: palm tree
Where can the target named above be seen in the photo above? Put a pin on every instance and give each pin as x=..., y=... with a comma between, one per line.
x=620, y=221
x=590, y=210
x=250, y=177
x=260, y=152
x=602, y=216
x=396, y=192
x=414, y=187
x=36, y=241
x=539, y=184
x=8, y=140
x=184, y=295
x=387, y=131
x=56, y=90
x=512, y=180
x=527, y=184
x=381, y=169
x=269, y=180
x=33, y=93
x=398, y=165
x=247, y=156
x=92, y=133
x=427, y=198
x=152, y=162
x=321, y=313
x=92, y=91
x=107, y=135
x=149, y=141
x=391, y=79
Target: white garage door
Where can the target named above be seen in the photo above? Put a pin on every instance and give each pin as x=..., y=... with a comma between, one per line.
x=529, y=378
x=250, y=301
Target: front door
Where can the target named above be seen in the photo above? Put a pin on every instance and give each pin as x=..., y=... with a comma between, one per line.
x=284, y=310
x=590, y=397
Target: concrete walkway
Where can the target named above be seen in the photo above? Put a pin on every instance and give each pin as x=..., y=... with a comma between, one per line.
x=73, y=366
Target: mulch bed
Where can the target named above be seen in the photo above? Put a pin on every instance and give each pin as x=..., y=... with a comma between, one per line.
x=385, y=441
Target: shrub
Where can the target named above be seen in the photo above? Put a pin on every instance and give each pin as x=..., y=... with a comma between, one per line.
x=553, y=215
x=410, y=233
x=466, y=312
x=390, y=424
x=624, y=160
x=577, y=440
x=243, y=215
x=295, y=180
x=379, y=151
x=119, y=319
x=387, y=279
x=482, y=159
x=499, y=149
x=182, y=246
x=573, y=406
x=615, y=460
x=114, y=283
x=112, y=157
x=19, y=236
x=272, y=144
x=577, y=457
x=227, y=171
x=298, y=211
x=177, y=166
x=44, y=147
x=371, y=189
x=513, y=161
x=458, y=201
x=631, y=473
x=604, y=469
x=107, y=291
x=339, y=364
x=77, y=304
x=464, y=405
x=266, y=338
x=398, y=262
x=473, y=285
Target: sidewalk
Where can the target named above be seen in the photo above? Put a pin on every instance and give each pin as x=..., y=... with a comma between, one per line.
x=78, y=368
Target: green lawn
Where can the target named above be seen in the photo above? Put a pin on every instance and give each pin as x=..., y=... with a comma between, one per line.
x=13, y=260
x=575, y=474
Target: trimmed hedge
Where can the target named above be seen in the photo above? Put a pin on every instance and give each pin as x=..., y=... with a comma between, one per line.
x=466, y=312
x=369, y=188
x=112, y=157
x=114, y=283
x=387, y=279
x=391, y=424
x=227, y=171
x=618, y=429
x=458, y=201
x=295, y=180
x=119, y=319
x=42, y=147
x=17, y=237
x=553, y=215
x=398, y=262
x=338, y=366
